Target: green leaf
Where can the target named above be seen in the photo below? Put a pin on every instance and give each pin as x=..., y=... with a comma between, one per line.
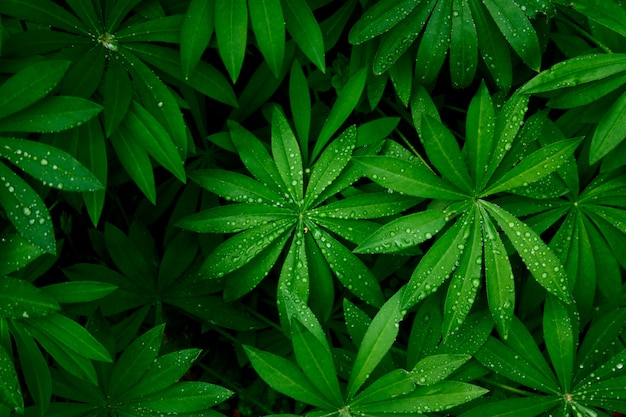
x=87, y=13
x=118, y=12
x=463, y=45
x=156, y=29
x=135, y=161
x=34, y=368
x=48, y=164
x=232, y=218
x=154, y=139
x=357, y=321
x=285, y=377
x=434, y=44
x=422, y=105
x=610, y=130
x=380, y=18
x=479, y=133
x=300, y=103
x=268, y=25
x=465, y=282
x=444, y=395
x=607, y=13
x=117, y=92
x=44, y=12
x=236, y=187
x=365, y=206
x=407, y=177
x=158, y=100
x=375, y=131
x=136, y=359
x=305, y=30
x=128, y=257
x=559, y=336
x=78, y=292
x=10, y=392
x=349, y=269
x=241, y=248
x=394, y=384
x=493, y=47
x=435, y=368
x=231, y=29
x=195, y=33
x=69, y=334
x=443, y=151
x=397, y=40
x=517, y=30
x=20, y=299
x=540, y=260
x=245, y=279
x=295, y=272
x=93, y=154
x=438, y=263
x=26, y=211
x=404, y=232
x=576, y=71
x=287, y=157
x=85, y=74
x=498, y=276
x=30, y=85
x=535, y=166
x=515, y=407
x=163, y=372
x=53, y=114
x=378, y=339
x=330, y=164
x=506, y=362
x=346, y=102
x=316, y=361
x=184, y=397
x=16, y=252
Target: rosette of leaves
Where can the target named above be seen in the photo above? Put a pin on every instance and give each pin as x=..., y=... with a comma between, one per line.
x=464, y=27
x=497, y=156
x=30, y=320
x=116, y=61
x=288, y=208
x=26, y=106
x=153, y=284
x=311, y=376
x=139, y=383
x=565, y=379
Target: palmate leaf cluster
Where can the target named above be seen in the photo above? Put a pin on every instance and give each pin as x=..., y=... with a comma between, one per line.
x=312, y=207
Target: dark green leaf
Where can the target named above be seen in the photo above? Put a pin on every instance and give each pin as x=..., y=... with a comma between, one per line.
x=514, y=407
x=78, y=292
x=231, y=29
x=463, y=45
x=607, y=13
x=558, y=332
x=45, y=12
x=285, y=377
x=136, y=359
x=435, y=368
x=396, y=383
x=316, y=361
x=610, y=130
x=379, y=19
x=479, y=133
x=10, y=392
x=236, y=187
x=434, y=44
x=365, y=206
x=378, y=339
x=300, y=102
x=184, y=397
x=30, y=85
x=346, y=102
x=196, y=32
x=16, y=252
x=52, y=166
x=117, y=93
x=232, y=218
x=407, y=177
x=305, y=30
x=52, y=114
x=268, y=26
x=34, y=368
x=407, y=231
x=287, y=157
x=26, y=211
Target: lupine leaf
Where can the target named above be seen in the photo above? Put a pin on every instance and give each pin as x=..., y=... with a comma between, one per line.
x=396, y=383
x=285, y=377
x=196, y=32
x=117, y=95
x=379, y=19
x=26, y=211
x=231, y=28
x=346, y=102
x=434, y=44
x=435, y=368
x=48, y=164
x=463, y=45
x=268, y=26
x=514, y=407
x=232, y=218
x=610, y=130
x=10, y=392
x=52, y=114
x=305, y=30
x=30, y=85
x=558, y=332
x=377, y=341
x=20, y=299
x=287, y=156
x=188, y=396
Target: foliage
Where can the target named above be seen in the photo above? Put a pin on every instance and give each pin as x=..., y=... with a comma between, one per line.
x=223, y=207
